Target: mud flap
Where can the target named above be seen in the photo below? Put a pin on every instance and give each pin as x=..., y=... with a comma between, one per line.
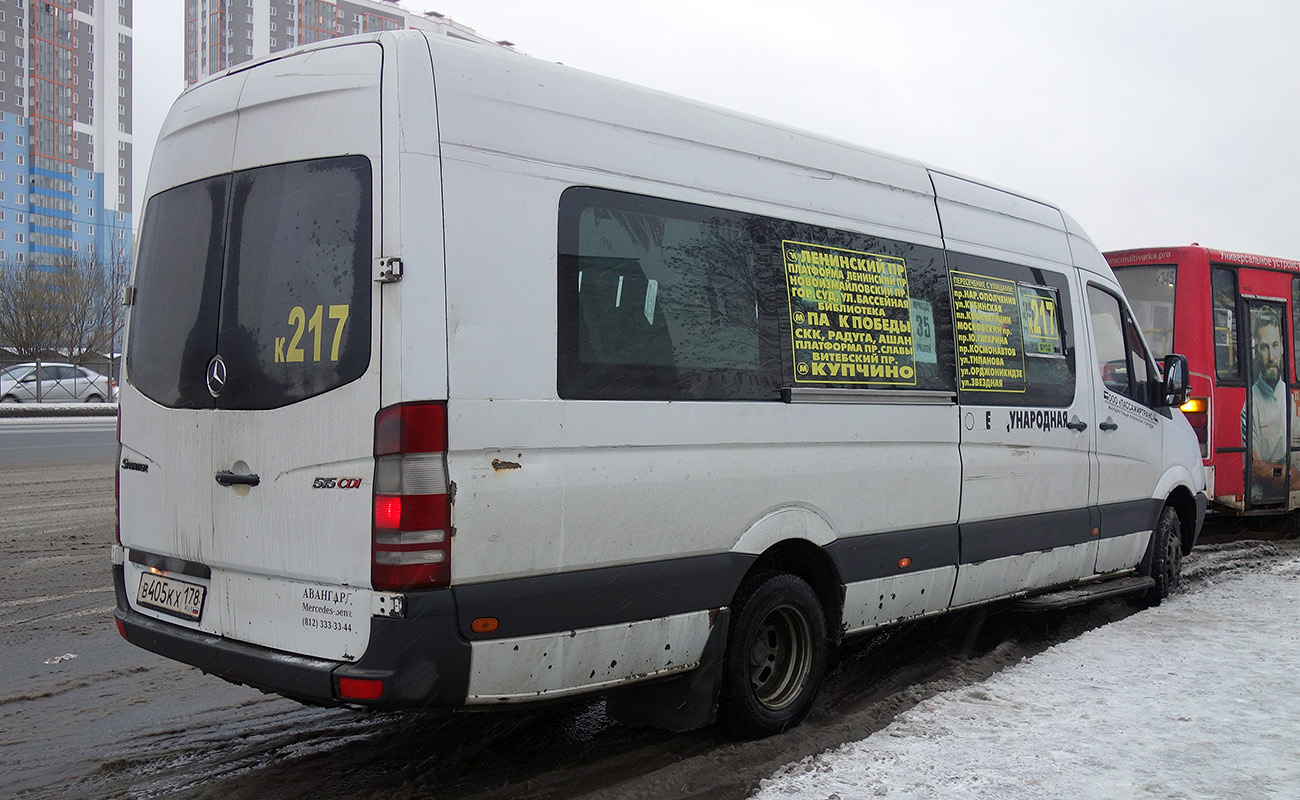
x=680, y=704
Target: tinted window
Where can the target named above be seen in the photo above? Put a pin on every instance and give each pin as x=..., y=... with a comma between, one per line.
x=1227, y=362
x=269, y=268
x=663, y=300
x=177, y=285
x=295, y=313
x=668, y=300
x=1014, y=336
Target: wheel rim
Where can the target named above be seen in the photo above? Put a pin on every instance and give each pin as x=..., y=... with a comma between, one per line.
x=780, y=657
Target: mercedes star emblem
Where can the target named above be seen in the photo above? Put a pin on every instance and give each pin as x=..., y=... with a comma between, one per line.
x=216, y=376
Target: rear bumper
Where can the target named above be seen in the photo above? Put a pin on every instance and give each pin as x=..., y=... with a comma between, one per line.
x=421, y=659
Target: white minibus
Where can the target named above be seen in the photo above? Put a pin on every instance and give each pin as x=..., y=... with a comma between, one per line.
x=457, y=379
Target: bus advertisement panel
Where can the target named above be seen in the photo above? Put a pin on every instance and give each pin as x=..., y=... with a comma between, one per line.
x=1235, y=316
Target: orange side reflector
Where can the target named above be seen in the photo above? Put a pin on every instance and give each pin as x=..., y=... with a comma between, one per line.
x=484, y=625
x=360, y=689
x=904, y=562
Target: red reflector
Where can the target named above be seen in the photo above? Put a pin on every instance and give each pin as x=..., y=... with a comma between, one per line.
x=121, y=629
x=360, y=689
x=407, y=577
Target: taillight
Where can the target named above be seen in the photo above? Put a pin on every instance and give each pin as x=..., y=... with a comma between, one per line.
x=411, y=531
x=1197, y=411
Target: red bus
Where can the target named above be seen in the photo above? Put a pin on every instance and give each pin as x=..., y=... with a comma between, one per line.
x=1235, y=316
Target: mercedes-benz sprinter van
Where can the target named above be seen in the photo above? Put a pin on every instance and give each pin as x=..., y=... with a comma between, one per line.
x=455, y=379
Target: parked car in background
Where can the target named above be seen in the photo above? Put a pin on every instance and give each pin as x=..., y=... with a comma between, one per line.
x=56, y=383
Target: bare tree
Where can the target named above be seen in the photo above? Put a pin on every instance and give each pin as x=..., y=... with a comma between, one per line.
x=27, y=322
x=72, y=309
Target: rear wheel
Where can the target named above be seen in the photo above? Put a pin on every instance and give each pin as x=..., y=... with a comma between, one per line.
x=8, y=399
x=1166, y=551
x=776, y=655
x=94, y=398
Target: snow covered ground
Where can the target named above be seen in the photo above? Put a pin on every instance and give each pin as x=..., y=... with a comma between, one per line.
x=1198, y=698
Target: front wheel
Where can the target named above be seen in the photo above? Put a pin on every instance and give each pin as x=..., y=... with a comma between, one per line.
x=1166, y=553
x=776, y=654
x=8, y=399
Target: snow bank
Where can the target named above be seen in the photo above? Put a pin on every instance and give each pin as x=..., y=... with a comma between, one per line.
x=1198, y=698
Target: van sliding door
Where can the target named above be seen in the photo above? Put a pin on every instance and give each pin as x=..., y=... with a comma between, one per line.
x=1027, y=428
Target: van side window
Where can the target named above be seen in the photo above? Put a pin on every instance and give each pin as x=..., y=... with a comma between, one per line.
x=662, y=300
x=666, y=300
x=1014, y=333
x=1223, y=284
x=1122, y=359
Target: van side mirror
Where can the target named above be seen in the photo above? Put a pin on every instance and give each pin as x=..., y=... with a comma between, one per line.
x=1175, y=387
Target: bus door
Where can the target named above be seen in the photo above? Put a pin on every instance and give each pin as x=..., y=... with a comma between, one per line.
x=1266, y=418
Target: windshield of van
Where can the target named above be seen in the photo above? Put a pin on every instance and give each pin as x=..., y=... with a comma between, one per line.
x=268, y=269
x=1150, y=291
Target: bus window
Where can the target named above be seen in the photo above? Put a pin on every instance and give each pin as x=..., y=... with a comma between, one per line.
x=1295, y=320
x=1150, y=291
x=1226, y=363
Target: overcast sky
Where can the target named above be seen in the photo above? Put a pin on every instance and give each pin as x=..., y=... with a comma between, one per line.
x=1157, y=122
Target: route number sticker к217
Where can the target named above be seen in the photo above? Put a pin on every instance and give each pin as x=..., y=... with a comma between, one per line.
x=311, y=325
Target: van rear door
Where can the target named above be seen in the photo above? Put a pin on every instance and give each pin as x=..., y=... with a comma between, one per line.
x=253, y=361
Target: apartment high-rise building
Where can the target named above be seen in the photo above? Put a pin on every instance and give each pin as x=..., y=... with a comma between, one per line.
x=65, y=132
x=222, y=33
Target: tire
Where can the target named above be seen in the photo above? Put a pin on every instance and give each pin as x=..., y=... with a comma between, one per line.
x=1291, y=529
x=8, y=399
x=776, y=655
x=1166, y=557
x=94, y=398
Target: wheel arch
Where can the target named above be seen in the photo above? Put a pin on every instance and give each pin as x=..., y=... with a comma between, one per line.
x=813, y=565
x=1184, y=504
x=792, y=538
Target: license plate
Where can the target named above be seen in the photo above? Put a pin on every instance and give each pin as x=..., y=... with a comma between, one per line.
x=184, y=600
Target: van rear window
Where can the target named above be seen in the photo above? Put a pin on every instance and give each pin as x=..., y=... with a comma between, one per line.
x=266, y=268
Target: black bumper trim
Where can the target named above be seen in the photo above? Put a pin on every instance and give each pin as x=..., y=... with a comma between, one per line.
x=420, y=658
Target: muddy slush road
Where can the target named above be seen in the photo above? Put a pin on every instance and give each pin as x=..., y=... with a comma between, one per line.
x=85, y=715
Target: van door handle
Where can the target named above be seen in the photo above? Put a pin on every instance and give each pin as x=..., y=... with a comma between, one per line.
x=1108, y=425
x=228, y=478
x=1077, y=424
